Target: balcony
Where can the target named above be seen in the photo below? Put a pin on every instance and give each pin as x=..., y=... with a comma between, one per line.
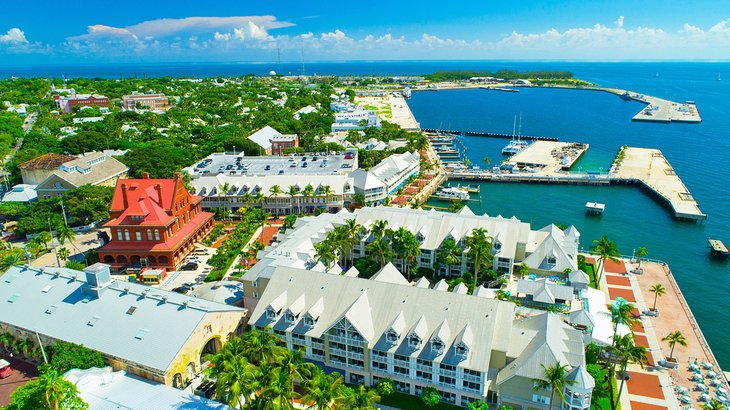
x=424, y=368
x=402, y=363
x=448, y=373
x=346, y=340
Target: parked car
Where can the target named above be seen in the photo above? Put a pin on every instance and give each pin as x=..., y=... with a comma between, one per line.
x=192, y=259
x=267, y=167
x=189, y=266
x=304, y=165
x=348, y=156
x=182, y=289
x=5, y=369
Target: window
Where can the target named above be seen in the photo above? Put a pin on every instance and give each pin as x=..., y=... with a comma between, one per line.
x=437, y=345
x=308, y=321
x=289, y=316
x=391, y=337
x=414, y=341
x=270, y=313
x=138, y=235
x=540, y=399
x=255, y=283
x=149, y=234
x=119, y=235
x=551, y=260
x=318, y=352
x=157, y=235
x=471, y=386
x=461, y=350
x=140, y=334
x=423, y=375
x=126, y=235
x=447, y=380
x=401, y=370
x=255, y=295
x=380, y=366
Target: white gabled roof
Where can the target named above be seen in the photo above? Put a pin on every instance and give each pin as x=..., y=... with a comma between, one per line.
x=264, y=136
x=581, y=378
x=423, y=282
x=390, y=274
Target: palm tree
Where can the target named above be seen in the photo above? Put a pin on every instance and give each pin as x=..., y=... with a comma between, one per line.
x=280, y=390
x=261, y=346
x=674, y=338
x=378, y=228
x=323, y=390
x=658, y=291
x=58, y=393
x=6, y=340
x=23, y=347
x=324, y=251
x=308, y=191
x=406, y=245
x=9, y=260
x=327, y=192
x=640, y=253
x=356, y=233
x=64, y=253
x=247, y=198
x=231, y=381
x=480, y=250
x=64, y=233
x=450, y=254
x=293, y=192
x=621, y=313
x=359, y=198
x=606, y=250
x=713, y=404
x=380, y=250
x=275, y=191
x=44, y=237
x=361, y=398
x=555, y=379
x=292, y=363
x=630, y=353
x=222, y=191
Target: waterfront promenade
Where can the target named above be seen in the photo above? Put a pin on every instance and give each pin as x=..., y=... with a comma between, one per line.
x=654, y=385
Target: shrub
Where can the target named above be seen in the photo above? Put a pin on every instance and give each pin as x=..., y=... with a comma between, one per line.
x=386, y=387
x=478, y=405
x=66, y=356
x=430, y=396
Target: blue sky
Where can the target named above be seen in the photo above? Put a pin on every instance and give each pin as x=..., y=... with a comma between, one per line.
x=224, y=30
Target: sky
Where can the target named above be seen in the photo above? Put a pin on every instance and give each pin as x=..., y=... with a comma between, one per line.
x=48, y=32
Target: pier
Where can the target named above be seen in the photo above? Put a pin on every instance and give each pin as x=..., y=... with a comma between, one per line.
x=659, y=109
x=650, y=168
x=549, y=156
x=644, y=167
x=487, y=134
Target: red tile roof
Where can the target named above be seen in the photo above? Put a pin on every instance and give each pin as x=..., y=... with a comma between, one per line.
x=171, y=244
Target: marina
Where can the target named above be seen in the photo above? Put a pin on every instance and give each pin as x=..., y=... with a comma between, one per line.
x=548, y=157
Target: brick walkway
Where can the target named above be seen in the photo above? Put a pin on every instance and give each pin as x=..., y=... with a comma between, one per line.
x=22, y=373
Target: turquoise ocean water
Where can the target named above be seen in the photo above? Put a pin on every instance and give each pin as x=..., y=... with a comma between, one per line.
x=698, y=152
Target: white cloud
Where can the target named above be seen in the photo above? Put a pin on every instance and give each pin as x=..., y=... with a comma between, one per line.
x=620, y=22
x=721, y=27
x=13, y=36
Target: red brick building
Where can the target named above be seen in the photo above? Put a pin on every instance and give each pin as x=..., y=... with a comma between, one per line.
x=67, y=103
x=154, y=222
x=279, y=143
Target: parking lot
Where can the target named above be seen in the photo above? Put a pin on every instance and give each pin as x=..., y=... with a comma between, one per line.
x=176, y=279
x=313, y=163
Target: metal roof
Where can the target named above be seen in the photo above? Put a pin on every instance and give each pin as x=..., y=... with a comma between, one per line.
x=131, y=321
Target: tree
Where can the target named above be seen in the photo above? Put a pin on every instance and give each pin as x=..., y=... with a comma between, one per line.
x=629, y=353
x=279, y=390
x=480, y=251
x=261, y=346
x=555, y=377
x=231, y=380
x=323, y=390
x=355, y=232
x=379, y=228
x=289, y=221
x=50, y=391
x=713, y=404
x=449, y=254
x=64, y=253
x=324, y=251
x=23, y=347
x=44, y=237
x=6, y=340
x=160, y=158
x=640, y=253
x=361, y=398
x=9, y=260
x=456, y=206
x=66, y=356
x=658, y=291
x=293, y=192
x=605, y=250
x=478, y=405
x=292, y=363
x=430, y=396
x=407, y=247
x=674, y=338
x=380, y=251
x=65, y=233
x=386, y=386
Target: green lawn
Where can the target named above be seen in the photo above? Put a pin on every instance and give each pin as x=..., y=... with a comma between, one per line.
x=591, y=271
x=408, y=402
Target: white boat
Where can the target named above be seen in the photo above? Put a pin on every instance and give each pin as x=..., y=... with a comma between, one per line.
x=516, y=144
x=406, y=92
x=453, y=194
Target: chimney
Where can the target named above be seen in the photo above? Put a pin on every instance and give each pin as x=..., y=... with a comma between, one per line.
x=158, y=188
x=146, y=175
x=124, y=195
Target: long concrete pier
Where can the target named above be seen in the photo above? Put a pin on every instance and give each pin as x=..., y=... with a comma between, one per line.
x=659, y=109
x=644, y=167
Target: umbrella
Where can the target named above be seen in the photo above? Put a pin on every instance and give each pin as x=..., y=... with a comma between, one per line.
x=686, y=399
x=700, y=386
x=721, y=390
x=693, y=367
x=705, y=397
x=696, y=377
x=711, y=374
x=708, y=365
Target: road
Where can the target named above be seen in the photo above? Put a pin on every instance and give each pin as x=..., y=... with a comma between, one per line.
x=83, y=242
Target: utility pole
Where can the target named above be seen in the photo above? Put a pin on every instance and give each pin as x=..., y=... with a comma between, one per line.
x=63, y=208
x=55, y=250
x=43, y=351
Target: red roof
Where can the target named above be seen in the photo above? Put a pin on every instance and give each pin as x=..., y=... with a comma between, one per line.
x=171, y=244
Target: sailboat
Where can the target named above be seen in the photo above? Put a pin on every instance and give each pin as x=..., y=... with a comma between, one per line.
x=515, y=145
x=718, y=77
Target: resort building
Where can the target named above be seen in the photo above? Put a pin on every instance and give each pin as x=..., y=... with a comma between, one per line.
x=154, y=223
x=513, y=242
x=468, y=347
x=306, y=193
x=355, y=119
x=95, y=168
x=387, y=177
x=66, y=103
x=39, y=168
x=21, y=193
x=154, y=334
x=270, y=140
x=145, y=101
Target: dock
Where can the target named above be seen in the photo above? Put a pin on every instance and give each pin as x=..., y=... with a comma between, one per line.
x=659, y=109
x=717, y=248
x=594, y=208
x=653, y=171
x=486, y=134
x=549, y=156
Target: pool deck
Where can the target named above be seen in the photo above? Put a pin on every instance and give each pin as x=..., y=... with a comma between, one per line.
x=651, y=168
x=654, y=385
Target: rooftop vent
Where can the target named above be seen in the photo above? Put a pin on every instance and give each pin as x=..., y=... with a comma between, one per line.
x=131, y=310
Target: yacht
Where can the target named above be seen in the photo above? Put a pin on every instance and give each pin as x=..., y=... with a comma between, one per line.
x=516, y=144
x=453, y=194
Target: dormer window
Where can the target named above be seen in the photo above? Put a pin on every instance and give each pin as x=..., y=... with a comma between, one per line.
x=309, y=321
x=271, y=314
x=552, y=260
x=420, y=238
x=290, y=318
x=437, y=345
x=497, y=246
x=391, y=337
x=414, y=341
x=461, y=350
